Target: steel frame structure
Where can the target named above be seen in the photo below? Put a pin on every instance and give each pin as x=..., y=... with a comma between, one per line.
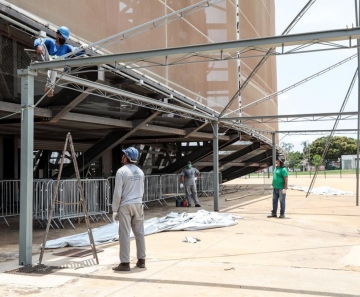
x=162, y=57
x=210, y=52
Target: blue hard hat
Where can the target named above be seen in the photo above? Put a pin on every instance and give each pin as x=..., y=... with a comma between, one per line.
x=64, y=32
x=131, y=153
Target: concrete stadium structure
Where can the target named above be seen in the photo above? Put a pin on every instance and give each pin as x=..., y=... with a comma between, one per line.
x=101, y=127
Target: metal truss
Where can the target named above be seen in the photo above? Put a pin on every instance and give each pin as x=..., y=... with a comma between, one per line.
x=111, y=93
x=318, y=132
x=315, y=131
x=267, y=55
x=81, y=85
x=205, y=52
x=153, y=24
x=291, y=118
x=273, y=95
x=329, y=139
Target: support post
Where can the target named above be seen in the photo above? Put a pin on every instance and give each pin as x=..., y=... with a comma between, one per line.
x=216, y=164
x=26, y=165
x=273, y=151
x=358, y=119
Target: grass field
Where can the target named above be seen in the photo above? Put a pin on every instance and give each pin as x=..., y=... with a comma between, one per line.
x=332, y=173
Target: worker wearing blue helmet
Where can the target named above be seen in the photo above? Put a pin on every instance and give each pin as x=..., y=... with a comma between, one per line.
x=127, y=206
x=49, y=48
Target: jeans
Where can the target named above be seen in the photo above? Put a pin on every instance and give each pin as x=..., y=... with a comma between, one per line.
x=277, y=195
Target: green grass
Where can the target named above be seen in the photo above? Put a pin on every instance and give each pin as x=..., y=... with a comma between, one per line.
x=308, y=173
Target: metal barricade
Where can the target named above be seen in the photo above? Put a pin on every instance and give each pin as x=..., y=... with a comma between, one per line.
x=152, y=189
x=98, y=196
x=96, y=193
x=9, y=199
x=42, y=199
x=206, y=183
x=168, y=186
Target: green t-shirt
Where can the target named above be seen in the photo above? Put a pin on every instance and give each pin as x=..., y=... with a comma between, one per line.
x=278, y=177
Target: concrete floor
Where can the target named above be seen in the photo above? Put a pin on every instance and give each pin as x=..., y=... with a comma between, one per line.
x=315, y=251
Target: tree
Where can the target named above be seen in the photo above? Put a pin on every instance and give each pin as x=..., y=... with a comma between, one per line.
x=294, y=159
x=306, y=145
x=340, y=145
x=287, y=147
x=317, y=160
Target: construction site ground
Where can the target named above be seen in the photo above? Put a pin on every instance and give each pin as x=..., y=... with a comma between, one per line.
x=314, y=251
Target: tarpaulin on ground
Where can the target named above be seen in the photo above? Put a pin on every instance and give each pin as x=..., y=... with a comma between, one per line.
x=322, y=190
x=171, y=222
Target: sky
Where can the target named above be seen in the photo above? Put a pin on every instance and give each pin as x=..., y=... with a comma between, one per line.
x=327, y=92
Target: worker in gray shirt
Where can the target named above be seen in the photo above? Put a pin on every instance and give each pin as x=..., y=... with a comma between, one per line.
x=189, y=176
x=127, y=204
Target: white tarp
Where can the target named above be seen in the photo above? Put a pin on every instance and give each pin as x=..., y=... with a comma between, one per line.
x=171, y=222
x=322, y=191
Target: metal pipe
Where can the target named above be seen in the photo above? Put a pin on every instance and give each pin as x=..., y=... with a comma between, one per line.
x=18, y=24
x=358, y=121
x=273, y=151
x=216, y=164
x=210, y=48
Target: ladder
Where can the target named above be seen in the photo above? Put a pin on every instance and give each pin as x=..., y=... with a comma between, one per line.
x=82, y=199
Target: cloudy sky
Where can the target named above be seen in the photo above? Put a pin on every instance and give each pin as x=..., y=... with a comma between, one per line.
x=325, y=93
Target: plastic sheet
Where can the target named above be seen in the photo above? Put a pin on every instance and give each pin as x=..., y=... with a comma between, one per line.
x=171, y=222
x=322, y=191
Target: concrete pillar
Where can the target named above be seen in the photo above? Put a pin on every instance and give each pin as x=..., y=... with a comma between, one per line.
x=106, y=164
x=1, y=158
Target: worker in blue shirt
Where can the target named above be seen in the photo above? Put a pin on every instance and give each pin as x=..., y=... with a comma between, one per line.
x=48, y=48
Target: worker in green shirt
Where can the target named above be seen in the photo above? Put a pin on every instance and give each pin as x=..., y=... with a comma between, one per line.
x=280, y=185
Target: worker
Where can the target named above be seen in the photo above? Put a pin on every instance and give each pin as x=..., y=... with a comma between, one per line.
x=49, y=48
x=127, y=204
x=280, y=185
x=189, y=176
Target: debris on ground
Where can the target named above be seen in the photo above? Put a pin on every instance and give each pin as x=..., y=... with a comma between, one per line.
x=322, y=191
x=191, y=239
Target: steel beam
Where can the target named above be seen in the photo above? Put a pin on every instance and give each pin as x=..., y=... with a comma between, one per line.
x=104, y=145
x=195, y=156
x=313, y=131
x=262, y=158
x=289, y=116
x=254, y=156
x=69, y=107
x=205, y=49
x=235, y=156
x=139, y=100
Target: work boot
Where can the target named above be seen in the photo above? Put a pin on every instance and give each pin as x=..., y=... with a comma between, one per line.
x=282, y=216
x=197, y=205
x=122, y=267
x=141, y=263
x=273, y=215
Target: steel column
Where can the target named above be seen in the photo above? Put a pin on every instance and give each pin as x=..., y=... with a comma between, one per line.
x=358, y=119
x=26, y=176
x=273, y=152
x=216, y=164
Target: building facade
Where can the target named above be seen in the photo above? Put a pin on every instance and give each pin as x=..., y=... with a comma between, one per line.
x=169, y=138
